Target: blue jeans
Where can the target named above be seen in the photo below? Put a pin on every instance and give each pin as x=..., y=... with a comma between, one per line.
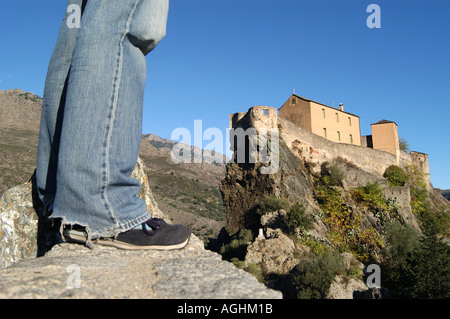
x=91, y=124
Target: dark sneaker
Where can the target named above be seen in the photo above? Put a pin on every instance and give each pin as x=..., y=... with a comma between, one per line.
x=160, y=236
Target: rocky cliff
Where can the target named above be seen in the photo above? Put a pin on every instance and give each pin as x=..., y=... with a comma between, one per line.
x=244, y=187
x=326, y=203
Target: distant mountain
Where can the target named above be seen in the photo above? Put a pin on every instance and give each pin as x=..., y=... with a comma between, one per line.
x=187, y=192
x=446, y=193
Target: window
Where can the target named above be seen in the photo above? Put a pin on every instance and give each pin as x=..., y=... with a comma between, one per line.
x=293, y=101
x=337, y=118
x=349, y=121
x=323, y=114
x=351, y=139
x=265, y=111
x=325, y=132
x=339, y=136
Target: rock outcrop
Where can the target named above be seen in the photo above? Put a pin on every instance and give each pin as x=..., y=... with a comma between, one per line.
x=74, y=271
x=346, y=288
x=18, y=226
x=244, y=187
x=272, y=255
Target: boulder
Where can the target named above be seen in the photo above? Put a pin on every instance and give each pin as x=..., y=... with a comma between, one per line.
x=18, y=226
x=273, y=255
x=345, y=288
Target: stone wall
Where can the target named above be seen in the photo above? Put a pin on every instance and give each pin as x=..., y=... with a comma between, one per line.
x=258, y=117
x=317, y=150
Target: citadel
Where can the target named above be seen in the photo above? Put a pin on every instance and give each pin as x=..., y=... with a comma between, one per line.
x=321, y=133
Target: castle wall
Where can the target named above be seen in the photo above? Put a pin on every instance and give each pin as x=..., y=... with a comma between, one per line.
x=316, y=149
x=258, y=117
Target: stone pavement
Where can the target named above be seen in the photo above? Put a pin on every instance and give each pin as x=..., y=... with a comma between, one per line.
x=74, y=271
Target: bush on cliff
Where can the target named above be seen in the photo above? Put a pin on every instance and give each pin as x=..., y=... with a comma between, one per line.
x=395, y=176
x=271, y=203
x=297, y=219
x=346, y=231
x=312, y=277
x=371, y=196
x=237, y=247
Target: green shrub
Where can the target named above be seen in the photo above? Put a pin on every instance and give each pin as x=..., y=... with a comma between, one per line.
x=333, y=172
x=316, y=247
x=297, y=218
x=403, y=144
x=400, y=240
x=252, y=269
x=429, y=216
x=371, y=195
x=395, y=176
x=346, y=231
x=312, y=277
x=271, y=203
x=237, y=248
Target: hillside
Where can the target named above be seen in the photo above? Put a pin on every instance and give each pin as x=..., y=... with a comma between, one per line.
x=446, y=193
x=20, y=113
x=188, y=192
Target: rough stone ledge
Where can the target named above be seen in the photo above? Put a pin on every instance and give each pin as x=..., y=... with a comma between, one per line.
x=109, y=273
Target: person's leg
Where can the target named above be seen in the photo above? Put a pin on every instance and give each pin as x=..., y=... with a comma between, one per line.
x=101, y=131
x=53, y=109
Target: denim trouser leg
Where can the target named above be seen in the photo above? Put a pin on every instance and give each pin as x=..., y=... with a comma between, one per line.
x=102, y=121
x=53, y=110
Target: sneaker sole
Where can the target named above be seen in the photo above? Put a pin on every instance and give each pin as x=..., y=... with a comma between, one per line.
x=79, y=237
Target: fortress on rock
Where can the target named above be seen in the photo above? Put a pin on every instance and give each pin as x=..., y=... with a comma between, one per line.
x=319, y=133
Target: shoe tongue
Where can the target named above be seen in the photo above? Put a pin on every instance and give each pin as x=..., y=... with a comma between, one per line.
x=153, y=223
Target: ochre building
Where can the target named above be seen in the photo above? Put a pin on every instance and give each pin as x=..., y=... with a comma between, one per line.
x=333, y=124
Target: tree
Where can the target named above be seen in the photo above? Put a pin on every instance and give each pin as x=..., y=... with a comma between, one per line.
x=425, y=273
x=403, y=144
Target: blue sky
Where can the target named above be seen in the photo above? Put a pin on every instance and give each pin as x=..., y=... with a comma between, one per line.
x=224, y=56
